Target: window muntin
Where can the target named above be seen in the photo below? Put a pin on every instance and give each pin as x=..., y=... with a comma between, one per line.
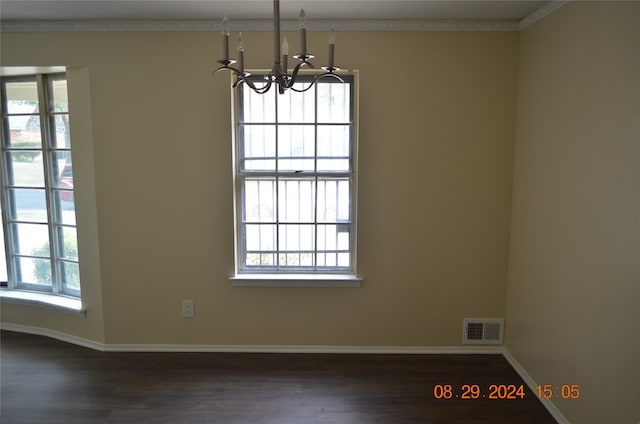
x=39, y=223
x=4, y=277
x=295, y=179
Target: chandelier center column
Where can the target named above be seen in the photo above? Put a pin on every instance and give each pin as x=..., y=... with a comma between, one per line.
x=276, y=32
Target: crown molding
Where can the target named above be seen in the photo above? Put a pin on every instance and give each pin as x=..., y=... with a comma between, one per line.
x=540, y=13
x=258, y=25
x=500, y=25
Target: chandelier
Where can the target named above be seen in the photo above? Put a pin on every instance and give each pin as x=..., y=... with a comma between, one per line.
x=279, y=74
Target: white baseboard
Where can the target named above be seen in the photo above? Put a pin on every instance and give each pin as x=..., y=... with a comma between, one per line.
x=547, y=403
x=416, y=350
x=80, y=341
x=396, y=350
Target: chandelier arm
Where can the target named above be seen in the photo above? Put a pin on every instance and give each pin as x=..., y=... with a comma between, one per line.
x=252, y=86
x=264, y=89
x=242, y=78
x=258, y=90
x=294, y=74
x=328, y=74
x=226, y=68
x=323, y=75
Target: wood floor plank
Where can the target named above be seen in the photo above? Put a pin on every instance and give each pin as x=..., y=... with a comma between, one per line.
x=48, y=381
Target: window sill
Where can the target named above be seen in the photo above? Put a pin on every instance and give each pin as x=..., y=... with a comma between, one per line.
x=295, y=280
x=20, y=297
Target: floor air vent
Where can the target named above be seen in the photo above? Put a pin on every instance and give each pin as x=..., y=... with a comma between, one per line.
x=482, y=331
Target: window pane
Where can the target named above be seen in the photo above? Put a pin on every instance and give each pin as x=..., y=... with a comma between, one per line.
x=34, y=271
x=259, y=200
x=24, y=131
x=334, y=203
x=260, y=259
x=62, y=169
x=69, y=247
x=296, y=238
x=258, y=107
x=258, y=149
x=296, y=148
x=70, y=275
x=326, y=259
x=298, y=259
x=64, y=203
x=259, y=165
x=260, y=237
x=333, y=165
x=334, y=148
x=30, y=205
x=333, y=141
x=22, y=97
x=60, y=137
x=58, y=95
x=334, y=103
x=296, y=107
x=3, y=254
x=296, y=165
x=344, y=259
x=296, y=200
x=24, y=169
x=31, y=239
x=333, y=236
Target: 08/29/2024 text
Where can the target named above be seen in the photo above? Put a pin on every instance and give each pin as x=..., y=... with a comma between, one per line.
x=474, y=391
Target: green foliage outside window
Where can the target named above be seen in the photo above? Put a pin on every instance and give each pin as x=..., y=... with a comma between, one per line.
x=26, y=155
x=42, y=269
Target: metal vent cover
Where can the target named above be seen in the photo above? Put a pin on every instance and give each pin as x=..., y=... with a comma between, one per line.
x=482, y=330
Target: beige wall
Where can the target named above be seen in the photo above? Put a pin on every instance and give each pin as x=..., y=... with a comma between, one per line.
x=437, y=119
x=573, y=311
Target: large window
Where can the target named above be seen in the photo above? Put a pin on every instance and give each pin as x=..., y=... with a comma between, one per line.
x=39, y=242
x=296, y=179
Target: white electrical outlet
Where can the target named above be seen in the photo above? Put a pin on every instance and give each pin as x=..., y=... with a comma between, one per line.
x=187, y=308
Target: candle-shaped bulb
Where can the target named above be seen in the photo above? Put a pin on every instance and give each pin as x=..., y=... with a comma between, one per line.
x=285, y=55
x=240, y=43
x=225, y=25
x=332, y=45
x=302, y=23
x=225, y=38
x=241, y=53
x=302, y=20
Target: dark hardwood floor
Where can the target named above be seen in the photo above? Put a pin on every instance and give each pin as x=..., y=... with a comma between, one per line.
x=48, y=381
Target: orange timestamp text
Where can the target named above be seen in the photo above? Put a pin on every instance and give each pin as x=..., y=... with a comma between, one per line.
x=475, y=391
x=565, y=391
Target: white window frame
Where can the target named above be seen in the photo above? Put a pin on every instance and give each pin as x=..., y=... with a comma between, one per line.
x=70, y=298
x=295, y=276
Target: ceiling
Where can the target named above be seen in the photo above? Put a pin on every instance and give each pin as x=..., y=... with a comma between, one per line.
x=57, y=10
